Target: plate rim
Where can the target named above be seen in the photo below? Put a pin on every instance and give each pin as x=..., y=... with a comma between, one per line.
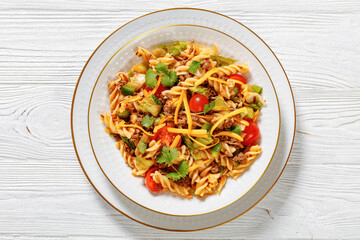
x=186, y=25
x=198, y=9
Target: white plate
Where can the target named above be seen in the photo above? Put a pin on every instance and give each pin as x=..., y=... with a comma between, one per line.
x=133, y=29
x=110, y=158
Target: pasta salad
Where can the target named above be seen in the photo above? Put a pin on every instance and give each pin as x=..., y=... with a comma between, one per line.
x=185, y=118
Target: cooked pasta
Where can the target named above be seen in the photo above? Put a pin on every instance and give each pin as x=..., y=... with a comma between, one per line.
x=185, y=118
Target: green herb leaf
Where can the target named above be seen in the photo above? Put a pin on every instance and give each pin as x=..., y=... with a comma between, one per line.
x=162, y=69
x=150, y=78
x=194, y=66
x=222, y=61
x=169, y=80
x=181, y=172
x=147, y=121
x=128, y=142
x=202, y=90
x=208, y=107
x=167, y=155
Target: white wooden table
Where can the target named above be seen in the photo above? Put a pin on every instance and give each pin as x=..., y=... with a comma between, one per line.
x=43, y=191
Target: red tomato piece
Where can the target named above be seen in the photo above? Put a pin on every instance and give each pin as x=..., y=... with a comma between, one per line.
x=198, y=102
x=148, y=89
x=239, y=78
x=158, y=92
x=252, y=134
x=166, y=138
x=149, y=181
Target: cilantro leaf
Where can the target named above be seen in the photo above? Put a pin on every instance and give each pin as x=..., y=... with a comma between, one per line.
x=183, y=168
x=201, y=90
x=169, y=80
x=147, y=121
x=167, y=155
x=150, y=78
x=181, y=172
x=222, y=61
x=161, y=69
x=194, y=66
x=208, y=107
x=165, y=81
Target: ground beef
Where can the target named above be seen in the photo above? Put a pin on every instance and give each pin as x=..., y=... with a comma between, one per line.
x=213, y=93
x=163, y=98
x=206, y=64
x=135, y=138
x=169, y=109
x=215, y=168
x=228, y=122
x=241, y=158
x=185, y=182
x=196, y=119
x=231, y=141
x=182, y=119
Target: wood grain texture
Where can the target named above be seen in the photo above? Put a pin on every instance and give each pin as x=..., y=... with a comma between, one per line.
x=43, y=191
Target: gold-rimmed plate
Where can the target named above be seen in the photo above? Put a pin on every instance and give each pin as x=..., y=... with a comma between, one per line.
x=110, y=159
x=181, y=17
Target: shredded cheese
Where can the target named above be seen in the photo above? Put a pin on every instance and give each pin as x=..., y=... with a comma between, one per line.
x=230, y=134
x=194, y=132
x=256, y=115
x=193, y=167
x=179, y=106
x=135, y=126
x=205, y=76
x=210, y=146
x=156, y=87
x=158, y=127
x=215, y=50
x=131, y=99
x=243, y=109
x=175, y=142
x=242, y=121
x=219, y=80
x=237, y=81
x=188, y=113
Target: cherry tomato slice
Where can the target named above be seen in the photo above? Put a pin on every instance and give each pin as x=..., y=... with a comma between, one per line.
x=197, y=102
x=165, y=136
x=239, y=78
x=252, y=134
x=158, y=91
x=149, y=181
